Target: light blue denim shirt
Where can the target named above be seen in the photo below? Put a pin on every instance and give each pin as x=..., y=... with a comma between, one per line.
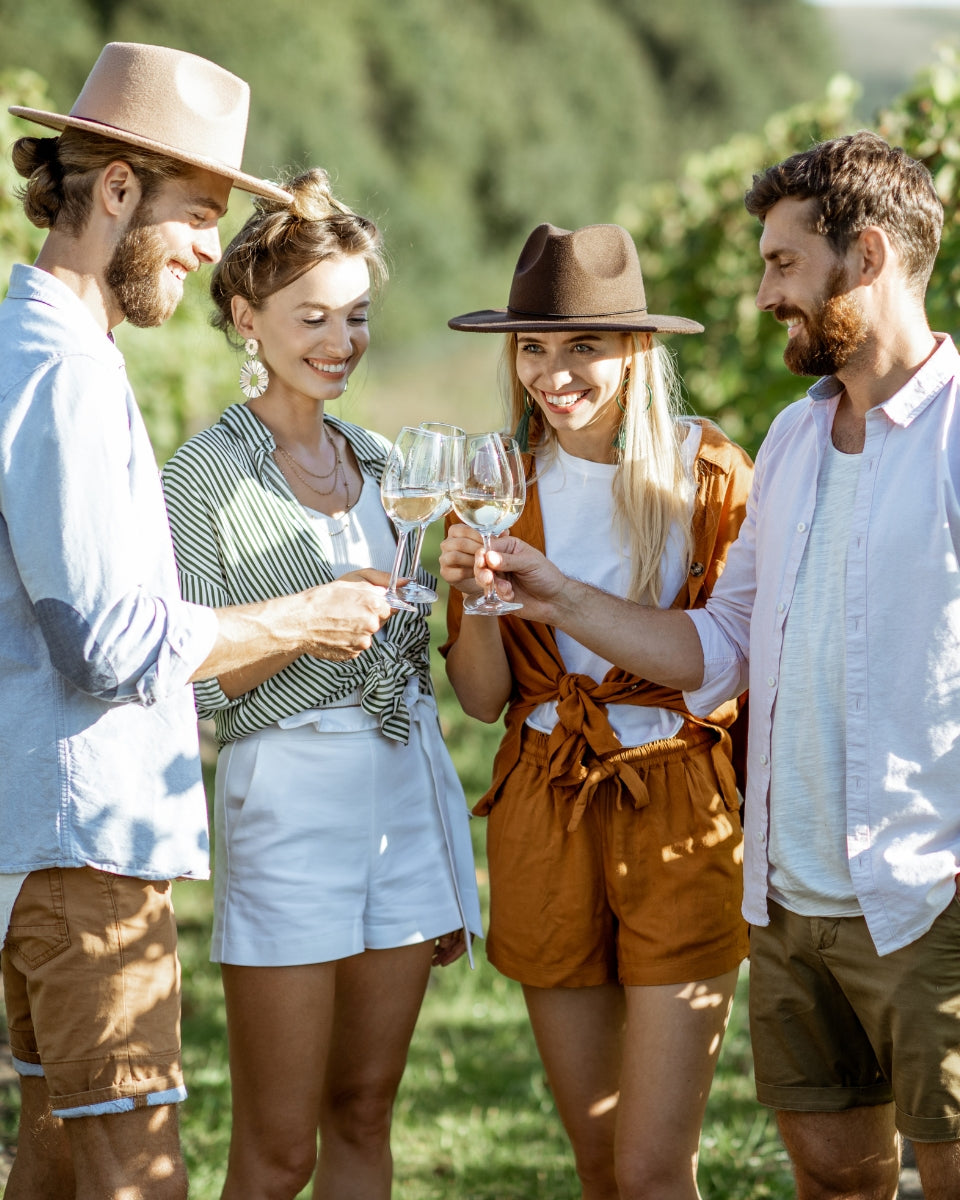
x=99, y=759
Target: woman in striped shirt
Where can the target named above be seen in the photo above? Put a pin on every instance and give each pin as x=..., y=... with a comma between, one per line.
x=343, y=866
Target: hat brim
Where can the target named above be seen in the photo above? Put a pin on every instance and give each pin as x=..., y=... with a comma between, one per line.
x=246, y=183
x=502, y=320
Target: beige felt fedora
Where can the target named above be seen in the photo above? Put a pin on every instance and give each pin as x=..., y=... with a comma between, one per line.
x=168, y=101
x=587, y=278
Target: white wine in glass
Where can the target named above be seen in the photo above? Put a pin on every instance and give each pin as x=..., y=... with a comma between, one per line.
x=416, y=592
x=489, y=496
x=411, y=490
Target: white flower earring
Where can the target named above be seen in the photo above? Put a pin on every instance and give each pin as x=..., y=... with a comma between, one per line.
x=254, y=376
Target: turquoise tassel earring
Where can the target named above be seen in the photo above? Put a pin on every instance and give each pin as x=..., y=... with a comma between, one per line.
x=522, y=432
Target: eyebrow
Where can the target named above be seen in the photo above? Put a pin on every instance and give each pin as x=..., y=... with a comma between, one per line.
x=209, y=202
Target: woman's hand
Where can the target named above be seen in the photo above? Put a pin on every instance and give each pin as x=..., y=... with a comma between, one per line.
x=458, y=552
x=449, y=948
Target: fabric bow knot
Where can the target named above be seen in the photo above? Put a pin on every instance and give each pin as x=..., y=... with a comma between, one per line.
x=582, y=747
x=381, y=693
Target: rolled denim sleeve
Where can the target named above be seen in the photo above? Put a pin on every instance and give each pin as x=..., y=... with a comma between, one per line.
x=87, y=530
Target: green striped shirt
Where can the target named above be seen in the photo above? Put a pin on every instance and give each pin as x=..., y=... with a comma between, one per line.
x=241, y=536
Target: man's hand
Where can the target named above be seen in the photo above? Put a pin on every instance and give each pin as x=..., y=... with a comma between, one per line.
x=523, y=574
x=341, y=618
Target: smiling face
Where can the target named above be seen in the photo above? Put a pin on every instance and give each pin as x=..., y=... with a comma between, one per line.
x=574, y=379
x=806, y=286
x=170, y=234
x=314, y=331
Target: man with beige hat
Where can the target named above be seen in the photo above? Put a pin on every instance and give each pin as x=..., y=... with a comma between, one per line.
x=101, y=800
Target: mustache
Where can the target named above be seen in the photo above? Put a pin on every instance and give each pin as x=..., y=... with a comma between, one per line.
x=783, y=313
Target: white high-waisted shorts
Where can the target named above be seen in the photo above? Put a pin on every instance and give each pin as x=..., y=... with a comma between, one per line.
x=332, y=839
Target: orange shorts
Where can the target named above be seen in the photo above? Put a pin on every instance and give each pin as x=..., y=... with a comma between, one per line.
x=92, y=986
x=643, y=896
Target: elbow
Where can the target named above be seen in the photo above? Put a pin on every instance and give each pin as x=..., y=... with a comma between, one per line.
x=74, y=650
x=489, y=714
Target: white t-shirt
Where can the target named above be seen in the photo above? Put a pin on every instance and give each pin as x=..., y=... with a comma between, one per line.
x=809, y=872
x=583, y=538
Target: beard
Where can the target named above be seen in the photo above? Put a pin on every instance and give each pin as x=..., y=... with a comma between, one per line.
x=137, y=272
x=831, y=336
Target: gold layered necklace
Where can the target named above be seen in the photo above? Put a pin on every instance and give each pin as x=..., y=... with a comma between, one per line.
x=302, y=472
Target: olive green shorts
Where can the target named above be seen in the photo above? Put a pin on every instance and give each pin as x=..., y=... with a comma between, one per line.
x=835, y=1026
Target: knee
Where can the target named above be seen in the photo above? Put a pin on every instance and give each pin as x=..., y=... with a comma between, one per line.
x=360, y=1116
x=869, y=1178
x=279, y=1168
x=649, y=1176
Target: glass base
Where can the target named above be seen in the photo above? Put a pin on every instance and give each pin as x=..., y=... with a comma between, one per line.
x=417, y=593
x=395, y=600
x=489, y=606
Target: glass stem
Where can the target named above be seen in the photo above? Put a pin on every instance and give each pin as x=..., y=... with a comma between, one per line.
x=395, y=573
x=421, y=530
x=489, y=589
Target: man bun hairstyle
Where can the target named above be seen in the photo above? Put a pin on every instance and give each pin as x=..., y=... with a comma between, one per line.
x=61, y=171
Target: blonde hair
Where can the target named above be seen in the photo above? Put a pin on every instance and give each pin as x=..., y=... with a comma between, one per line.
x=61, y=171
x=652, y=491
x=283, y=240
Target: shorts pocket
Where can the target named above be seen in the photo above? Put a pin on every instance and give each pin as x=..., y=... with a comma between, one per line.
x=38, y=925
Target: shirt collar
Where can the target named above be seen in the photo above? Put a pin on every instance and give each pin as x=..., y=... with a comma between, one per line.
x=251, y=432
x=34, y=284
x=923, y=386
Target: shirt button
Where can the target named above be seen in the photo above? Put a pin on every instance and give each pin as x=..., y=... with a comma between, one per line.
x=801, y=526
x=772, y=680
x=781, y=607
x=763, y=760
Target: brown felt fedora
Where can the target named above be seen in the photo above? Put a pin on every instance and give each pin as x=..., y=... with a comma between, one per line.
x=168, y=101
x=586, y=278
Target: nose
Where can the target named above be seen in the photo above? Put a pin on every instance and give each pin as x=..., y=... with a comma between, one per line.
x=554, y=367
x=767, y=295
x=337, y=339
x=206, y=244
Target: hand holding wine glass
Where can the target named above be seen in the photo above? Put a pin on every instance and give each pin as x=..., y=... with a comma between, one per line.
x=412, y=490
x=488, y=496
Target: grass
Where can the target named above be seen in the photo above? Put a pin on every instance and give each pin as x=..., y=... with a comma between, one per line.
x=474, y=1118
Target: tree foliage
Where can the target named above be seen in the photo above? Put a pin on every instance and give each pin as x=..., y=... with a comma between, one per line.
x=699, y=253
x=450, y=165
x=460, y=124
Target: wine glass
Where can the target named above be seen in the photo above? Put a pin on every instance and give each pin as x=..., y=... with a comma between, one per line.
x=416, y=592
x=411, y=490
x=489, y=496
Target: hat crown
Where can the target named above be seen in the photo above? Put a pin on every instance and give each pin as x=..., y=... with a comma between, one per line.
x=593, y=271
x=169, y=97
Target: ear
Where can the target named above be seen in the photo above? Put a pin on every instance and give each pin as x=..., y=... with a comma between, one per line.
x=119, y=189
x=243, y=314
x=873, y=254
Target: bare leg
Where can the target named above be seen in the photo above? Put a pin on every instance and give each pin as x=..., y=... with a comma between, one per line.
x=672, y=1041
x=939, y=1167
x=279, y=1021
x=579, y=1034
x=128, y=1156
x=851, y=1155
x=378, y=998
x=42, y=1169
